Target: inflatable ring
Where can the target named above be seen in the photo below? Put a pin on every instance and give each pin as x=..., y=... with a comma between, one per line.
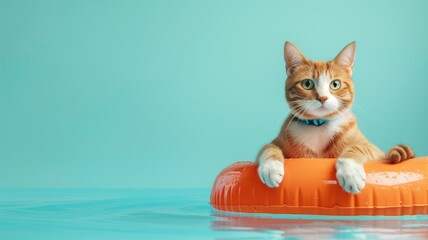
x=310, y=187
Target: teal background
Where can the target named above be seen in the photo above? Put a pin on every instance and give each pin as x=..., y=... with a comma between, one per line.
x=164, y=94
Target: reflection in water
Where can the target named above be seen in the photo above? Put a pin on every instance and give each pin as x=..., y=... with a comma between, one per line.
x=306, y=227
x=174, y=214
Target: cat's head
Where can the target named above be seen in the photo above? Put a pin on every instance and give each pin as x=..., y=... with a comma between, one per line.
x=319, y=89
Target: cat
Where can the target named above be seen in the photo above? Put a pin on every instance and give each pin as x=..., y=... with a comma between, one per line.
x=321, y=124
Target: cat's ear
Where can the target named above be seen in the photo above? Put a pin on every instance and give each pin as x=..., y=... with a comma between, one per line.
x=292, y=56
x=346, y=57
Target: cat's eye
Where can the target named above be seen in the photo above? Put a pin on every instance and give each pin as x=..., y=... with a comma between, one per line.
x=308, y=84
x=335, y=85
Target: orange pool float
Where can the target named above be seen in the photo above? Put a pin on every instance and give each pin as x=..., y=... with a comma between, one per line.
x=310, y=187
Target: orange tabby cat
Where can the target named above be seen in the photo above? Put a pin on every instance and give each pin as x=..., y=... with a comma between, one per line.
x=321, y=124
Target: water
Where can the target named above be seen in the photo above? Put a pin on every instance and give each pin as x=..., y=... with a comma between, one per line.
x=174, y=214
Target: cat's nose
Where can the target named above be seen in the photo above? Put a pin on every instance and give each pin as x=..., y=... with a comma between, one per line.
x=322, y=99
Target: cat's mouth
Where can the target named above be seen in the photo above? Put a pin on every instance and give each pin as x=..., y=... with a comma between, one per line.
x=316, y=109
x=326, y=109
x=322, y=111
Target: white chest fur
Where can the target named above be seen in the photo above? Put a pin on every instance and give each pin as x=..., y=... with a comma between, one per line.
x=316, y=138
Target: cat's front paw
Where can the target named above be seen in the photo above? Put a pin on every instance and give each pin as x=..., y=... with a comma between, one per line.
x=350, y=175
x=271, y=172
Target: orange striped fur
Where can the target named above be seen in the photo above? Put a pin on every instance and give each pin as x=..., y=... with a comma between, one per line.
x=343, y=141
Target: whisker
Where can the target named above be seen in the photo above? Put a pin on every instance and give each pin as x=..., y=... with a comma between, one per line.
x=362, y=112
x=300, y=108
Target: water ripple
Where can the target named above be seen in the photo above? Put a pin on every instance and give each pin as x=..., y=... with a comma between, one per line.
x=177, y=214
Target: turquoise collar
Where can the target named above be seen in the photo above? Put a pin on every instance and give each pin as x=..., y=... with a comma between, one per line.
x=313, y=122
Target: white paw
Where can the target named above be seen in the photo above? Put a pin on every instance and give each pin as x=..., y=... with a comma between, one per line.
x=350, y=175
x=271, y=172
